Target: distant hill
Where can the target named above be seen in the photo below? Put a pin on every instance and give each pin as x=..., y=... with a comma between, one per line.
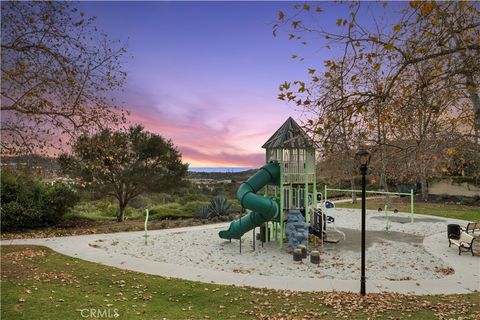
x=49, y=165
x=31, y=161
x=234, y=176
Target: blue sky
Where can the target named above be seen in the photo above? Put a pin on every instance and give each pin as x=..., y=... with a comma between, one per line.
x=206, y=74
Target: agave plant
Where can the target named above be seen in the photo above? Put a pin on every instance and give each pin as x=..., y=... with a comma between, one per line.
x=202, y=212
x=219, y=207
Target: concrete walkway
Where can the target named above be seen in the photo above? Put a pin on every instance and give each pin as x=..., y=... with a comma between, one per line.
x=466, y=278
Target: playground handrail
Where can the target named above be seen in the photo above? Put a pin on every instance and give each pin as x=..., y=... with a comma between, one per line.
x=378, y=192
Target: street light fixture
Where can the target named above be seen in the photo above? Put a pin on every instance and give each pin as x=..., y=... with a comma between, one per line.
x=363, y=157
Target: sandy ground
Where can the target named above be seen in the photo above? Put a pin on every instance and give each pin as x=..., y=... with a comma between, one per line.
x=394, y=255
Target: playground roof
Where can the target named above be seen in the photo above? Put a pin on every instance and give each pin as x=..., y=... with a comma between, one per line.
x=289, y=135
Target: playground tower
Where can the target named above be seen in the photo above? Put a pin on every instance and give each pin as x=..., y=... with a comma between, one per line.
x=287, y=182
x=294, y=150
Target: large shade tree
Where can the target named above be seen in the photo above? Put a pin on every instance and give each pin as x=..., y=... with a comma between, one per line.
x=59, y=74
x=443, y=34
x=124, y=164
x=409, y=76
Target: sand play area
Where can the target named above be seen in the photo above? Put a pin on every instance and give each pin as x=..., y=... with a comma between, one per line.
x=396, y=254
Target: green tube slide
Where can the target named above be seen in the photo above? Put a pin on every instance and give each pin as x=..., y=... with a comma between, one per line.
x=263, y=208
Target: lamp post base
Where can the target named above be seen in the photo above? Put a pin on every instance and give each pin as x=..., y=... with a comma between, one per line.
x=362, y=286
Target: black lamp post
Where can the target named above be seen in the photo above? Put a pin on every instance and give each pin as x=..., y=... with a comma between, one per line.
x=363, y=156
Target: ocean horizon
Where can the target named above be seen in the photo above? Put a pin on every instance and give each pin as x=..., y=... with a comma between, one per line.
x=218, y=169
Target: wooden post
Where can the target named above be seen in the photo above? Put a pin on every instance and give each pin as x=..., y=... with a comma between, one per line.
x=315, y=257
x=297, y=254
x=304, y=250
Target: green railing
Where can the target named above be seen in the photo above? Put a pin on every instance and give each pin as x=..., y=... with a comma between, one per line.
x=145, y=226
x=378, y=192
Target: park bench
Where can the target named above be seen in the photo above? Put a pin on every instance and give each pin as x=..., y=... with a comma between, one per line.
x=465, y=242
x=472, y=227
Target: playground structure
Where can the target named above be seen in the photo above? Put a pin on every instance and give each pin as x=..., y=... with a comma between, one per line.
x=387, y=204
x=288, y=184
x=285, y=186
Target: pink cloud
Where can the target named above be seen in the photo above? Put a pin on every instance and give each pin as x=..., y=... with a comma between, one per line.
x=201, y=144
x=197, y=158
x=219, y=130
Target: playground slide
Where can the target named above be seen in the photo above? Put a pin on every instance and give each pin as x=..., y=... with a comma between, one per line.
x=263, y=208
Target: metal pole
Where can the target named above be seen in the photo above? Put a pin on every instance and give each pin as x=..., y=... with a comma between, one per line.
x=305, y=191
x=145, y=226
x=363, y=171
x=240, y=237
x=282, y=196
x=253, y=239
x=370, y=191
x=411, y=205
x=325, y=195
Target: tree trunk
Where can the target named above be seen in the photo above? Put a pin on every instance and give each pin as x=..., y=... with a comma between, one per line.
x=474, y=97
x=121, y=212
x=122, y=202
x=381, y=138
x=423, y=183
x=383, y=178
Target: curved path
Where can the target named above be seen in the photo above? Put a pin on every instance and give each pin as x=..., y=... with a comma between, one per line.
x=466, y=278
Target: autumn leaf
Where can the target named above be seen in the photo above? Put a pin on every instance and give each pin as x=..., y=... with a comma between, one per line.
x=311, y=71
x=389, y=46
x=318, y=9
x=281, y=15
x=339, y=22
x=427, y=8
x=414, y=4
x=377, y=66
x=306, y=7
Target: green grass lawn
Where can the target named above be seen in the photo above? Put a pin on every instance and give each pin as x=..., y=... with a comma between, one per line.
x=456, y=211
x=38, y=283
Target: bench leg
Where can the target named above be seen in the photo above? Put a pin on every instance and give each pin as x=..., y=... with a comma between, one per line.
x=449, y=243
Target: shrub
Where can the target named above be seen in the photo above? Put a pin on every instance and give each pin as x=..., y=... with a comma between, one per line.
x=150, y=199
x=176, y=210
x=192, y=197
x=168, y=211
x=236, y=207
x=202, y=212
x=219, y=207
x=57, y=199
x=192, y=206
x=29, y=203
x=103, y=209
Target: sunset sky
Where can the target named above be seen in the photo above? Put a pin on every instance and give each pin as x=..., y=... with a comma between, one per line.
x=206, y=74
